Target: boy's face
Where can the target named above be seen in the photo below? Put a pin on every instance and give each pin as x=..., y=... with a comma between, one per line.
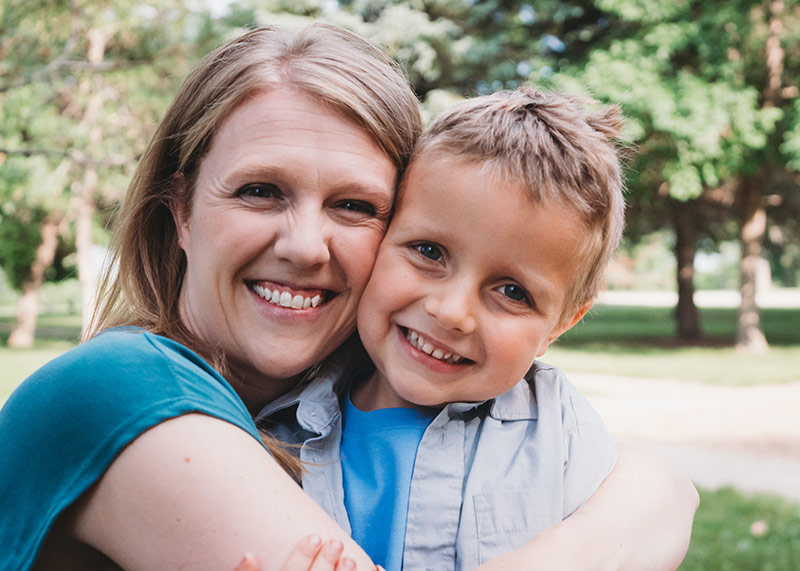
x=469, y=287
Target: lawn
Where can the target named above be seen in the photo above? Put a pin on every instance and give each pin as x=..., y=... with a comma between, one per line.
x=623, y=340
x=54, y=335
x=733, y=532
x=640, y=342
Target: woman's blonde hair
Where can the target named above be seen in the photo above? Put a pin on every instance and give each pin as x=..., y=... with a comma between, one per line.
x=341, y=70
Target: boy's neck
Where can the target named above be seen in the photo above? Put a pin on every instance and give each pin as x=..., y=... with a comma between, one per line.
x=375, y=393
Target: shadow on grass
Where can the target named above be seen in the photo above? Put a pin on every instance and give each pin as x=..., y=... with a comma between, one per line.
x=48, y=328
x=610, y=328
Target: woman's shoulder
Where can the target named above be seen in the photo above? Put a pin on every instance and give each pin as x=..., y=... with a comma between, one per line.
x=124, y=371
x=122, y=355
x=123, y=350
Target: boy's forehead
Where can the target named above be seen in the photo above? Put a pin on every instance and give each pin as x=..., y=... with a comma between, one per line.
x=442, y=176
x=441, y=166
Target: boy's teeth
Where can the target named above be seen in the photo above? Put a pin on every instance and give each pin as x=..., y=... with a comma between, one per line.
x=419, y=342
x=286, y=299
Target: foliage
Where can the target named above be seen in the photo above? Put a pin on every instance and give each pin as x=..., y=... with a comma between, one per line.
x=691, y=76
x=49, y=135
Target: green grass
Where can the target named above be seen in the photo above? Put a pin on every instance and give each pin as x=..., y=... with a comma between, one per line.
x=54, y=335
x=640, y=342
x=733, y=532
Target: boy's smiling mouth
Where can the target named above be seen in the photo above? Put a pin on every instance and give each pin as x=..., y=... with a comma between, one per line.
x=418, y=341
x=283, y=297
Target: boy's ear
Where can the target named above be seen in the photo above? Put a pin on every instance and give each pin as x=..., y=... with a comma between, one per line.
x=565, y=326
x=178, y=208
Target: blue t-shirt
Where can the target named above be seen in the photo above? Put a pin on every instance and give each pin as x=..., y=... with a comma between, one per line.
x=378, y=450
x=64, y=425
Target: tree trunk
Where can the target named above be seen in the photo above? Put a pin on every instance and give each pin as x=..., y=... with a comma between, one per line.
x=686, y=314
x=85, y=190
x=28, y=306
x=749, y=336
x=84, y=211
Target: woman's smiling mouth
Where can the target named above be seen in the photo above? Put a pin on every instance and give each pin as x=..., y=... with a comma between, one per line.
x=285, y=298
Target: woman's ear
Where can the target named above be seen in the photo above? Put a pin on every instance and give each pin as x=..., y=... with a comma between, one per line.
x=565, y=326
x=179, y=208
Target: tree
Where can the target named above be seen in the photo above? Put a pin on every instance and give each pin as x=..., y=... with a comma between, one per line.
x=83, y=85
x=705, y=85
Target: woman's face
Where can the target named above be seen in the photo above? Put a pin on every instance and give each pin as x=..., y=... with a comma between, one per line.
x=289, y=206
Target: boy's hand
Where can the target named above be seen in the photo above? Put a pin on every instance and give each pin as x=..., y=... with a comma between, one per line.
x=311, y=554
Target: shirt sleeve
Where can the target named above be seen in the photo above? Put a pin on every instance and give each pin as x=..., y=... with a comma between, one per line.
x=63, y=427
x=590, y=450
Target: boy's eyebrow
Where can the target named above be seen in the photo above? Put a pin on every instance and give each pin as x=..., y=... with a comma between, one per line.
x=544, y=292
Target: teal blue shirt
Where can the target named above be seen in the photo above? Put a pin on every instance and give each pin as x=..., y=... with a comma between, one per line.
x=64, y=425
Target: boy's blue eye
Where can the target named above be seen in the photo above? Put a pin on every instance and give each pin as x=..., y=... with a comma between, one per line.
x=430, y=251
x=514, y=292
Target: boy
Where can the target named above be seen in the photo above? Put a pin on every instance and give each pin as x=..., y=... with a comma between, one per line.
x=507, y=215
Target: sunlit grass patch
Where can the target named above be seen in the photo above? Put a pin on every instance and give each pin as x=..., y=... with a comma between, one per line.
x=734, y=532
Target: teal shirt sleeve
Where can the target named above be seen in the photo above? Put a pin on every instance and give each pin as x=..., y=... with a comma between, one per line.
x=64, y=425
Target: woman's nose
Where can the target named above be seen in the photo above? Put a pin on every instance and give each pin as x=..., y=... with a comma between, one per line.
x=453, y=307
x=303, y=241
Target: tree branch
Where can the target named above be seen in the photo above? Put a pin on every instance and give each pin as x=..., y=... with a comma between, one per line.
x=58, y=65
x=76, y=156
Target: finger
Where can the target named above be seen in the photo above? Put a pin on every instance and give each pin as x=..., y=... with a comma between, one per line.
x=346, y=564
x=328, y=556
x=302, y=556
x=248, y=563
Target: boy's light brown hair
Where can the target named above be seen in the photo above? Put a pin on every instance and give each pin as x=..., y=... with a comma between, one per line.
x=557, y=148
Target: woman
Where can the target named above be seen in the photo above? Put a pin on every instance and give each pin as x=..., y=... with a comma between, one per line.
x=248, y=234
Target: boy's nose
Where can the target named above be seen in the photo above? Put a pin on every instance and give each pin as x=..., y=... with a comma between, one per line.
x=453, y=309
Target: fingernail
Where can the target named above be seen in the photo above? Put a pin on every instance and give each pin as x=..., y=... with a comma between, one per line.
x=334, y=545
x=314, y=540
x=348, y=563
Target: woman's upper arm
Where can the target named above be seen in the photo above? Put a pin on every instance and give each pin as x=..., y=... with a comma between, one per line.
x=197, y=492
x=639, y=518
x=651, y=504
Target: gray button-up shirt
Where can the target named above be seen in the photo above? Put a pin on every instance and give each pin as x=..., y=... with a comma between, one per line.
x=488, y=476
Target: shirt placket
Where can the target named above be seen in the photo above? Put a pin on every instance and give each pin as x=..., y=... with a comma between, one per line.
x=435, y=500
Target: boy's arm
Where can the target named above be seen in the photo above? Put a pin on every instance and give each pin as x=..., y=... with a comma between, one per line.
x=639, y=518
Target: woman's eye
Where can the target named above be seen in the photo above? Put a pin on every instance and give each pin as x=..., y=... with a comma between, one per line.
x=430, y=251
x=514, y=293
x=358, y=206
x=259, y=190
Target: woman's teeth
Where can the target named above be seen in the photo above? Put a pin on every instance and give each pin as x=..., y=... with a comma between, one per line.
x=286, y=299
x=426, y=347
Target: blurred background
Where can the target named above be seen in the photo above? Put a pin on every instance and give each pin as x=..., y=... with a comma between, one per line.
x=692, y=349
